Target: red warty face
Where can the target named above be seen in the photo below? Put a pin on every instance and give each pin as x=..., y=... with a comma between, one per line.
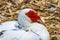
x=33, y=16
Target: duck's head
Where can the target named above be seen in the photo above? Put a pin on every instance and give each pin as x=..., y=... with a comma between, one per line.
x=28, y=16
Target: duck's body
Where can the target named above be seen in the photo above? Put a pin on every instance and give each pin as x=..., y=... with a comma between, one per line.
x=8, y=25
x=19, y=35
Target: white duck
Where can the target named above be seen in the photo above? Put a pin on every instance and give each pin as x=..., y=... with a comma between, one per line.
x=29, y=20
x=19, y=35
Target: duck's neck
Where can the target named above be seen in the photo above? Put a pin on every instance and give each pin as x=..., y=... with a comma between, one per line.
x=24, y=22
x=25, y=25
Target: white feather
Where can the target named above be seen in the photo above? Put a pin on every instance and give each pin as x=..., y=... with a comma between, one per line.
x=19, y=35
x=23, y=19
x=8, y=25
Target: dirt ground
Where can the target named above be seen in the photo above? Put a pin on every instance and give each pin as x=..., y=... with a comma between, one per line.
x=9, y=10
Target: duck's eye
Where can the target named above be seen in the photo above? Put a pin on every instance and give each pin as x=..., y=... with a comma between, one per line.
x=31, y=14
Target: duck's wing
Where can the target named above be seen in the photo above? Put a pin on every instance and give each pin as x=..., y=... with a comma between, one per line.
x=30, y=36
x=19, y=35
x=11, y=35
x=40, y=30
x=8, y=25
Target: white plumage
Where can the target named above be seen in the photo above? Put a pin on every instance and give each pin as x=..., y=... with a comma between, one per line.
x=8, y=25
x=23, y=19
x=39, y=29
x=19, y=35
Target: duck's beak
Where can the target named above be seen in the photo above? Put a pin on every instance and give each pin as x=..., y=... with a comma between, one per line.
x=39, y=21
